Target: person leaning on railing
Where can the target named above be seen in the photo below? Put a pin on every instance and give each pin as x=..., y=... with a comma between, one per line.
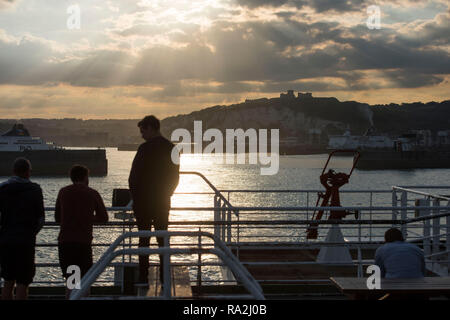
x=22, y=217
x=152, y=181
x=77, y=208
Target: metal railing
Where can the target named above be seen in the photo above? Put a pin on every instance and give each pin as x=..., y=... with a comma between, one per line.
x=436, y=226
x=284, y=226
x=220, y=250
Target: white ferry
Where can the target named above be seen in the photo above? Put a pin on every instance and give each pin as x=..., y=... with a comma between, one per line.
x=19, y=139
x=354, y=142
x=47, y=159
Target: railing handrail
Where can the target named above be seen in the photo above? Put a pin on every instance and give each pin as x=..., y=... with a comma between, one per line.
x=427, y=194
x=220, y=250
x=303, y=208
x=342, y=191
x=216, y=191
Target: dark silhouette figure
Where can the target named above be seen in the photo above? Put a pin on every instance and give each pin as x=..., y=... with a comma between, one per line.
x=153, y=179
x=399, y=259
x=22, y=217
x=78, y=207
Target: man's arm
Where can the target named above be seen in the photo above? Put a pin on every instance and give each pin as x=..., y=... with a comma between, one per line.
x=173, y=174
x=137, y=169
x=174, y=178
x=40, y=213
x=101, y=215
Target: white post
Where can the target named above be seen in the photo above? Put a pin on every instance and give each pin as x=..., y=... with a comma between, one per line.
x=426, y=228
x=404, y=203
x=436, y=228
x=394, y=204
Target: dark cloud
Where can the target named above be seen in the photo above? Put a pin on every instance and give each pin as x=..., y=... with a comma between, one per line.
x=317, y=5
x=245, y=56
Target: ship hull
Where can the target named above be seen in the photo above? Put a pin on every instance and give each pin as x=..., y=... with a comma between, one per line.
x=57, y=162
x=391, y=160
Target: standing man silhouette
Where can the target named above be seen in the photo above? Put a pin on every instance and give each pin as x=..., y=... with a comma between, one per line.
x=22, y=216
x=153, y=179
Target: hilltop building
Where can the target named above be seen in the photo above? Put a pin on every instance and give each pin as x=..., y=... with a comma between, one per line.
x=290, y=95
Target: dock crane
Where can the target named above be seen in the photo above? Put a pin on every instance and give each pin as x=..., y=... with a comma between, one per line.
x=332, y=181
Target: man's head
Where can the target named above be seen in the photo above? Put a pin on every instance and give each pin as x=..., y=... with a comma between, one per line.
x=149, y=127
x=22, y=168
x=393, y=235
x=79, y=174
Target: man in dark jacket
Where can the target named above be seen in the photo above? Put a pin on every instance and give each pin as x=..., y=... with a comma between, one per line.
x=153, y=179
x=78, y=208
x=22, y=217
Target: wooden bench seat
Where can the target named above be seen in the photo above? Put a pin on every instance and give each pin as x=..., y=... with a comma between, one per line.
x=426, y=287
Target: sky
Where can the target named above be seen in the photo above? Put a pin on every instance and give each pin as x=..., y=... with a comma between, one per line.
x=95, y=59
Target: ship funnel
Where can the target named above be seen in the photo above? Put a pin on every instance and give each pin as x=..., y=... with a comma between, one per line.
x=18, y=130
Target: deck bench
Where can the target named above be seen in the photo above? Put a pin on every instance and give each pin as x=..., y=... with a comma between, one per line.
x=356, y=288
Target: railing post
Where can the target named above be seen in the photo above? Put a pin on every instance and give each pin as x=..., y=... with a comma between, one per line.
x=436, y=228
x=216, y=216
x=229, y=226
x=238, y=235
x=394, y=204
x=222, y=219
x=199, y=262
x=360, y=269
x=167, y=274
x=370, y=215
x=359, y=226
x=307, y=205
x=447, y=239
x=403, y=214
x=426, y=229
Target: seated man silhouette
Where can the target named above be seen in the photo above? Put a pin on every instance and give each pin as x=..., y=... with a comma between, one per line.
x=399, y=259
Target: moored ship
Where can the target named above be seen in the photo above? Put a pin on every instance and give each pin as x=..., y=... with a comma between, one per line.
x=417, y=149
x=47, y=159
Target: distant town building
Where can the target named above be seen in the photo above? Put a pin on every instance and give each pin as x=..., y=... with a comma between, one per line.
x=289, y=95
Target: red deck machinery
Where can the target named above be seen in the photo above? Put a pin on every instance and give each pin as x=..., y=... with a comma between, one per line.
x=332, y=181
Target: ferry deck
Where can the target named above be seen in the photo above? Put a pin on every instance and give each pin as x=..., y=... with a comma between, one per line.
x=243, y=252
